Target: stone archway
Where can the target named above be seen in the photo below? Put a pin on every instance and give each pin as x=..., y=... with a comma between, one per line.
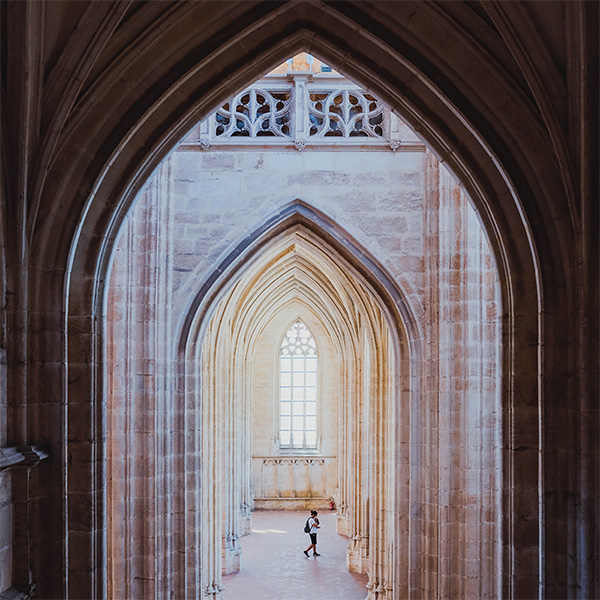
x=197, y=414
x=312, y=280
x=208, y=290
x=100, y=183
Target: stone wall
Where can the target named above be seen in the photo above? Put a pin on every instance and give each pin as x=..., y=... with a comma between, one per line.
x=220, y=197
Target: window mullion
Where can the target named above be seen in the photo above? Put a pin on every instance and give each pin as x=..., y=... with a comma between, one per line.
x=305, y=445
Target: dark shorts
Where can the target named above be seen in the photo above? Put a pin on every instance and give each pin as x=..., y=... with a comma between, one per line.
x=313, y=538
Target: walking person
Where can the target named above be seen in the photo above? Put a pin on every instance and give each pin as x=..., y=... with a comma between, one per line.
x=312, y=525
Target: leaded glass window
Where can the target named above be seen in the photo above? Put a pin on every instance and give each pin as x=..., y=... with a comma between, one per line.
x=298, y=389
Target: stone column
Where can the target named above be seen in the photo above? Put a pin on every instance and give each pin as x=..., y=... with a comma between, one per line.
x=132, y=406
x=228, y=396
x=425, y=414
x=469, y=449
x=358, y=549
x=212, y=474
x=168, y=469
x=381, y=497
x=301, y=122
x=246, y=490
x=141, y=415
x=344, y=445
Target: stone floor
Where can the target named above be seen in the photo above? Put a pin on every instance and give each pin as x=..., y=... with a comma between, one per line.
x=274, y=568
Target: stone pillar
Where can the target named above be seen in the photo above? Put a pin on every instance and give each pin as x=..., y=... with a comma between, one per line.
x=301, y=122
x=358, y=549
x=455, y=446
x=246, y=505
x=227, y=395
x=345, y=457
x=168, y=467
x=212, y=471
x=143, y=509
x=381, y=497
x=246, y=495
x=425, y=414
x=468, y=347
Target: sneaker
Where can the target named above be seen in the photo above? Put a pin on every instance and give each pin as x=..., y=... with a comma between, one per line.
x=306, y=552
x=315, y=554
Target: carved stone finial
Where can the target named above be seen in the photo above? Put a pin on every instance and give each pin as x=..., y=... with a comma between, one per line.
x=300, y=145
x=395, y=144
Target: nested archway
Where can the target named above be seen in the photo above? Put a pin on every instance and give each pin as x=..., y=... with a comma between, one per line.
x=299, y=274
x=483, y=160
x=299, y=260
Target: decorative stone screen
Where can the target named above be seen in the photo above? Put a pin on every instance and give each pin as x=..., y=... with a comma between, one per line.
x=298, y=389
x=255, y=113
x=341, y=112
x=303, y=109
x=345, y=113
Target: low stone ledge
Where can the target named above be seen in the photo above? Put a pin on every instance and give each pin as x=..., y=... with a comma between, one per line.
x=8, y=458
x=14, y=594
x=20, y=456
x=291, y=503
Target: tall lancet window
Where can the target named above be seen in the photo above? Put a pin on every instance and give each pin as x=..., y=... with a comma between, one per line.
x=298, y=389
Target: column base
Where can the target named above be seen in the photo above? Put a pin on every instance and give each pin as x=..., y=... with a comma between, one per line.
x=379, y=591
x=231, y=555
x=246, y=524
x=357, y=556
x=214, y=591
x=341, y=524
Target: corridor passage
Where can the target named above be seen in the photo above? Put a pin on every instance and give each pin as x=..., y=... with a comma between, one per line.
x=274, y=567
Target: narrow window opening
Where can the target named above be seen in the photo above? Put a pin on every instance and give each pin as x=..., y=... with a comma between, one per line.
x=298, y=389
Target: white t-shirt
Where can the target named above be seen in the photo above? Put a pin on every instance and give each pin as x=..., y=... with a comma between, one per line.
x=312, y=523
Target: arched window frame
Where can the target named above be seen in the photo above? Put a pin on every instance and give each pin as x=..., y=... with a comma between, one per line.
x=298, y=370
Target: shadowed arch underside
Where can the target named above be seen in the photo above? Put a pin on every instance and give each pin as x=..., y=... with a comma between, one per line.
x=92, y=110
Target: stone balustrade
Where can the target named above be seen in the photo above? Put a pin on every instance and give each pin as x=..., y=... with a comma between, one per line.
x=303, y=110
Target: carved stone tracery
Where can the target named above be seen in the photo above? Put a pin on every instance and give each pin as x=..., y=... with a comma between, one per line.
x=255, y=113
x=345, y=113
x=302, y=109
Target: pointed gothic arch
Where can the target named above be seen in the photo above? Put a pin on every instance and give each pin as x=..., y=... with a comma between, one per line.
x=98, y=186
x=330, y=261
x=301, y=239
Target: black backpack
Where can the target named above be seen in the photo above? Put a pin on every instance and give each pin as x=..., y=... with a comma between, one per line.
x=307, y=526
